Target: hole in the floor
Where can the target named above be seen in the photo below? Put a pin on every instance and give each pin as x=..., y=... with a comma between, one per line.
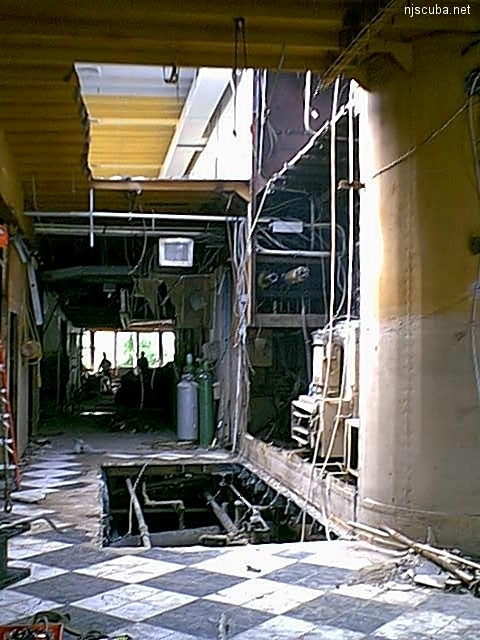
x=185, y=505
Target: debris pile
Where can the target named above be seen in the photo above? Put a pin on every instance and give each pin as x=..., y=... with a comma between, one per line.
x=455, y=572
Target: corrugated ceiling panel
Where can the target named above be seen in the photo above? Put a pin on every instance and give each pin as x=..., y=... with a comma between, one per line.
x=130, y=135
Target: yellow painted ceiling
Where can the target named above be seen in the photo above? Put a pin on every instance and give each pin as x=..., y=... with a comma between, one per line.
x=46, y=124
x=130, y=136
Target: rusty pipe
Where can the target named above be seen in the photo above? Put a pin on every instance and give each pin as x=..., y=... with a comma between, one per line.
x=177, y=505
x=222, y=516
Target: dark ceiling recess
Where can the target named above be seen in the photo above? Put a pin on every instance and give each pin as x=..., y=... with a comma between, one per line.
x=284, y=130
x=89, y=280
x=300, y=195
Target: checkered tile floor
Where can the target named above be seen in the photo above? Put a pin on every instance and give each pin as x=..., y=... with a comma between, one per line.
x=252, y=592
x=310, y=591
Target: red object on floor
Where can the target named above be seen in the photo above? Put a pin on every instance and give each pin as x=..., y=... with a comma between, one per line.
x=55, y=630
x=3, y=237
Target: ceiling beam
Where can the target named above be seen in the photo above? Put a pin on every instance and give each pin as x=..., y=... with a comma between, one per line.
x=271, y=11
x=204, y=186
x=100, y=36
x=266, y=55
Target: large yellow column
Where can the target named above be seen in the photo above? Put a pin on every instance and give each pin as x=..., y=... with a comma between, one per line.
x=420, y=413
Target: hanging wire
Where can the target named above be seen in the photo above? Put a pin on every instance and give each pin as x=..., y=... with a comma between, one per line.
x=333, y=213
x=240, y=33
x=351, y=223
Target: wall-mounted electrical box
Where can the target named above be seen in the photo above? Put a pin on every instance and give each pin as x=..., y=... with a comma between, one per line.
x=175, y=252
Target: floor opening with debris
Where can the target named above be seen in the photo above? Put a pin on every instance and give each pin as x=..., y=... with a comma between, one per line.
x=340, y=589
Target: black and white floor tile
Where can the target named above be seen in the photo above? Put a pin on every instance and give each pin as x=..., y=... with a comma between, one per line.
x=292, y=591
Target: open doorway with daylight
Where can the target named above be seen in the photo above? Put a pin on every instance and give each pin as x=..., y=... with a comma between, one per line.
x=132, y=371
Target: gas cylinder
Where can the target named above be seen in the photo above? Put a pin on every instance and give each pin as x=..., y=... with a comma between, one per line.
x=206, y=406
x=187, y=409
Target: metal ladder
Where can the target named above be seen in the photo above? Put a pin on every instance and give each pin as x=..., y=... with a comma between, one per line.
x=7, y=438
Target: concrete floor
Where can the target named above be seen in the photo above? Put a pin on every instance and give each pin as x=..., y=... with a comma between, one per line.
x=330, y=590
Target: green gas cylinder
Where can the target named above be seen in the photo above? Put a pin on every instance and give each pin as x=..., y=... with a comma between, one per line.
x=206, y=406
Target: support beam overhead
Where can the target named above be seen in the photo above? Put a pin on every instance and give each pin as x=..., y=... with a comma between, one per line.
x=241, y=187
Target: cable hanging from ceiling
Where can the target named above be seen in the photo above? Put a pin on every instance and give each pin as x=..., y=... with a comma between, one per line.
x=329, y=348
x=240, y=36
